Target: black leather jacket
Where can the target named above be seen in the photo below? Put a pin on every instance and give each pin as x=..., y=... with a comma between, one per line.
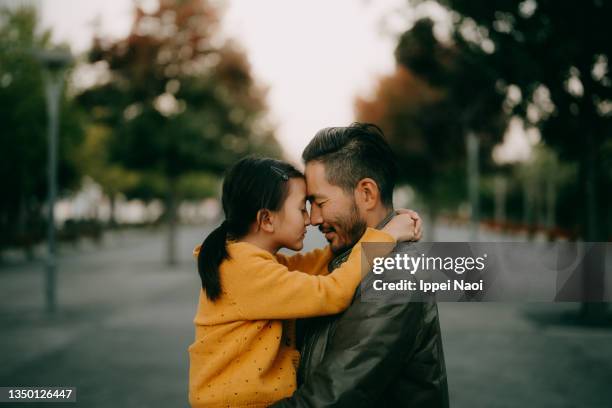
x=384, y=354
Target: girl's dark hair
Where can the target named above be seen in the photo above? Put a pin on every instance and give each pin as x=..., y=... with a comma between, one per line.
x=252, y=184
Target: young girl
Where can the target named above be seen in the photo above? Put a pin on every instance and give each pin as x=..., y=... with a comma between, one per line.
x=244, y=351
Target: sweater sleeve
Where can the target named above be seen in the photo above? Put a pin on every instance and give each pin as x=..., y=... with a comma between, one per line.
x=266, y=289
x=309, y=262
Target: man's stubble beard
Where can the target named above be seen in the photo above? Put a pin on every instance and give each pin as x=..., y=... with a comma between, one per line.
x=352, y=227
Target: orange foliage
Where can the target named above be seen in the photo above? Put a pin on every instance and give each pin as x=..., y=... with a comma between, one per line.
x=401, y=91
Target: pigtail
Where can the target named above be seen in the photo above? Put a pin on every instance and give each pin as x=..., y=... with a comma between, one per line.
x=212, y=252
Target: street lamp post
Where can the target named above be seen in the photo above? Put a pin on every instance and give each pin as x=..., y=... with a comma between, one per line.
x=54, y=63
x=473, y=174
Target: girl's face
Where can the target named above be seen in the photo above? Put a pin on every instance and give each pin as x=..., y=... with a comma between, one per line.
x=292, y=220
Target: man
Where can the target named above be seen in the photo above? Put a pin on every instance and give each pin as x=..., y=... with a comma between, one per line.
x=374, y=354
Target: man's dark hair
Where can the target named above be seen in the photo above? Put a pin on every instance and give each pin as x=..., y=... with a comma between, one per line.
x=353, y=153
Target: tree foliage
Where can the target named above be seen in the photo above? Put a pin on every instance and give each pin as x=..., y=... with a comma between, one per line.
x=23, y=129
x=176, y=98
x=553, y=56
x=426, y=108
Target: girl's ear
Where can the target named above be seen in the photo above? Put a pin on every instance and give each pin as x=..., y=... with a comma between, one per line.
x=265, y=220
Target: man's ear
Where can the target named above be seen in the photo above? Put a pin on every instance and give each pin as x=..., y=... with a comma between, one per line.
x=367, y=194
x=265, y=220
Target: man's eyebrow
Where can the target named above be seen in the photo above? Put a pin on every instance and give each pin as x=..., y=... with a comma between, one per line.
x=313, y=197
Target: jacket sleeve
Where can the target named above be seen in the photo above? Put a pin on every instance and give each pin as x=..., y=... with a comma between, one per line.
x=266, y=289
x=313, y=262
x=367, y=350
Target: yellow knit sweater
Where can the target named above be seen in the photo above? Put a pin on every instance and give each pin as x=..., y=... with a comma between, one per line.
x=244, y=351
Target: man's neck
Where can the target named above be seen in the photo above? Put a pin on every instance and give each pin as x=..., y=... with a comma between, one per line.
x=375, y=217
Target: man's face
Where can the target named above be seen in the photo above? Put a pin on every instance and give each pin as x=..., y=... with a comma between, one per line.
x=333, y=210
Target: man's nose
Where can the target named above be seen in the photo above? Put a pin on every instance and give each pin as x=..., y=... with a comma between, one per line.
x=315, y=216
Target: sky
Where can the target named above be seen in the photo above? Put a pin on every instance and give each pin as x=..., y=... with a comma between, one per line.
x=314, y=57
x=318, y=56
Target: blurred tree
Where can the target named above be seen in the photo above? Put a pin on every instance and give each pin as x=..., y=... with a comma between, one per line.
x=470, y=87
x=480, y=123
x=179, y=100
x=23, y=130
x=430, y=150
x=422, y=108
x=539, y=182
x=541, y=177
x=555, y=56
x=93, y=159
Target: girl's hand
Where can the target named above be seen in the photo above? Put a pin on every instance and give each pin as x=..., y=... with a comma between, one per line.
x=418, y=228
x=406, y=226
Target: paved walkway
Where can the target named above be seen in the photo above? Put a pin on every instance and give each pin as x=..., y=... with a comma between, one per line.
x=124, y=324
